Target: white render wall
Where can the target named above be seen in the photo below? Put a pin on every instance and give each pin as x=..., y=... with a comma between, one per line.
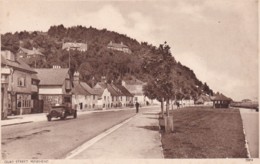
x=50, y=91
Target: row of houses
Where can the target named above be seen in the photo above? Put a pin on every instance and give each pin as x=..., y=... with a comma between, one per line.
x=218, y=100
x=26, y=90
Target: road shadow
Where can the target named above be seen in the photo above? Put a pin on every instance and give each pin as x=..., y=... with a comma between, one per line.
x=155, y=118
x=153, y=128
x=58, y=119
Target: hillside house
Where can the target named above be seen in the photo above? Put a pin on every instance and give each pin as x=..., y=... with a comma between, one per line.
x=19, y=85
x=119, y=47
x=75, y=46
x=55, y=86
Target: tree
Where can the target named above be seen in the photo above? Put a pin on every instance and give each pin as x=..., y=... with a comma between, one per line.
x=159, y=66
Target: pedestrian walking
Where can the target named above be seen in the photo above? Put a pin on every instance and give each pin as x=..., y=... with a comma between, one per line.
x=137, y=106
x=178, y=104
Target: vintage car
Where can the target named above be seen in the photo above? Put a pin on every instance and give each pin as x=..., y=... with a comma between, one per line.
x=62, y=111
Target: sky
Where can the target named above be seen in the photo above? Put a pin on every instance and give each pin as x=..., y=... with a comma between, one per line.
x=217, y=39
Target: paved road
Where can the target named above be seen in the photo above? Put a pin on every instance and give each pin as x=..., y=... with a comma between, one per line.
x=55, y=139
x=251, y=124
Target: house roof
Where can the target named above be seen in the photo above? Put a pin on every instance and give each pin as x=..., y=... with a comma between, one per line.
x=102, y=84
x=88, y=88
x=123, y=90
x=203, y=98
x=220, y=97
x=79, y=89
x=98, y=91
x=113, y=91
x=31, y=52
x=116, y=45
x=80, y=46
x=18, y=64
x=50, y=76
x=110, y=89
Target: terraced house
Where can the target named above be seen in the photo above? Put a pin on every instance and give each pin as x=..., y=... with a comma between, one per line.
x=19, y=86
x=104, y=98
x=126, y=98
x=83, y=95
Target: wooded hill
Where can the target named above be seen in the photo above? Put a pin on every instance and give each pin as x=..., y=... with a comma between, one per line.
x=98, y=60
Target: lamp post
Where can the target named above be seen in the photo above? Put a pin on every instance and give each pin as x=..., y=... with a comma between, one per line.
x=69, y=58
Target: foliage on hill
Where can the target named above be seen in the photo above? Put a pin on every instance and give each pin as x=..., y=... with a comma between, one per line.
x=98, y=60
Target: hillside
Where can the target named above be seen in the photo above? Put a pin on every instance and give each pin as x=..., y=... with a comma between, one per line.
x=98, y=60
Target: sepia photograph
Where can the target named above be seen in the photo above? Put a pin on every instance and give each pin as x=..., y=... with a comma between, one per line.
x=124, y=80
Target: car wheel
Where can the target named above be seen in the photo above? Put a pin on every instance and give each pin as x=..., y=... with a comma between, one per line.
x=49, y=118
x=75, y=114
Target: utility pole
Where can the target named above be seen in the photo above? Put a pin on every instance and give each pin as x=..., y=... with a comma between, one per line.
x=69, y=58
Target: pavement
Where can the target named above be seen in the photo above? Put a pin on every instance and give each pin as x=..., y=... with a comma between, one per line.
x=137, y=138
x=250, y=120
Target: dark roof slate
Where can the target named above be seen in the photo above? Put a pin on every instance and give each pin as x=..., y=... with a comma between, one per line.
x=220, y=97
x=123, y=90
x=88, y=88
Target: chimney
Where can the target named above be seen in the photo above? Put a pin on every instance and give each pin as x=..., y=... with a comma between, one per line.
x=123, y=83
x=76, y=77
x=103, y=79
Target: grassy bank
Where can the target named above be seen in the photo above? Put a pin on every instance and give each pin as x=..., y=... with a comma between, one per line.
x=249, y=105
x=201, y=132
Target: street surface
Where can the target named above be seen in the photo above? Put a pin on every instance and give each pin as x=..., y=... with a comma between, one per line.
x=55, y=139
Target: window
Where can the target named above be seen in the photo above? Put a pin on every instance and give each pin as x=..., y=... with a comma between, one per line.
x=93, y=97
x=21, y=81
x=23, y=101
